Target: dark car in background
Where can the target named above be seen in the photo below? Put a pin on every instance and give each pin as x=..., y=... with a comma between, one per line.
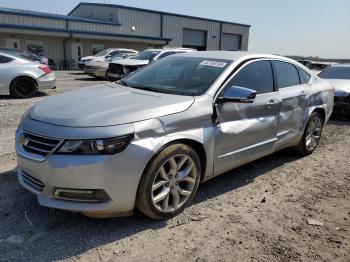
x=339, y=77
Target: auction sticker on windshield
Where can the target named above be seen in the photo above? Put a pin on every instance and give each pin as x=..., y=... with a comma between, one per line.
x=213, y=63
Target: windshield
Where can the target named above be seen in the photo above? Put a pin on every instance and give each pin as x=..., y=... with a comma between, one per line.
x=103, y=53
x=146, y=55
x=178, y=75
x=336, y=72
x=315, y=66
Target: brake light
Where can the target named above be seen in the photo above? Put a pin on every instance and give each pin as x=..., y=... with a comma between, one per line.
x=46, y=69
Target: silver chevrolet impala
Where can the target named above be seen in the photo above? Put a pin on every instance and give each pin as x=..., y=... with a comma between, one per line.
x=150, y=139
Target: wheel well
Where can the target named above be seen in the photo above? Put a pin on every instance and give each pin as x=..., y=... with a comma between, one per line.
x=198, y=147
x=29, y=77
x=322, y=112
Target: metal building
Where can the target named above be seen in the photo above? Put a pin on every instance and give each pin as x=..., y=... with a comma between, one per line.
x=91, y=27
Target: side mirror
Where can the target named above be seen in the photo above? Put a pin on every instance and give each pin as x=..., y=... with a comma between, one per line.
x=237, y=94
x=108, y=56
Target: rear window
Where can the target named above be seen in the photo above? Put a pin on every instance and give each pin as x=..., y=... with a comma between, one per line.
x=336, y=72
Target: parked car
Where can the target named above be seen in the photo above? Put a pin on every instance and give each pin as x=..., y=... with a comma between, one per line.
x=21, y=77
x=304, y=62
x=99, y=68
x=317, y=67
x=101, y=56
x=150, y=139
x=25, y=54
x=121, y=68
x=339, y=77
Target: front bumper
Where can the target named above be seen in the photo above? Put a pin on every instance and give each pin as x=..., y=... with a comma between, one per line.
x=46, y=81
x=342, y=105
x=117, y=175
x=115, y=76
x=97, y=72
x=81, y=65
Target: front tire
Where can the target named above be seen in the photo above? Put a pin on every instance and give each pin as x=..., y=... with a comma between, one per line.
x=312, y=135
x=169, y=183
x=23, y=87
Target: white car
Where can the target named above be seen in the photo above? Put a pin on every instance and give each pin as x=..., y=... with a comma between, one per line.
x=317, y=67
x=104, y=55
x=21, y=77
x=99, y=67
x=121, y=68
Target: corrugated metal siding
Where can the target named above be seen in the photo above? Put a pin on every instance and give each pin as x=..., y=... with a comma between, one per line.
x=31, y=21
x=102, y=13
x=90, y=27
x=174, y=25
x=145, y=23
x=87, y=45
x=240, y=30
x=53, y=46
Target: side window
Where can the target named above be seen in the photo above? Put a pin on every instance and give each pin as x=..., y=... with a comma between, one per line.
x=286, y=74
x=113, y=53
x=304, y=77
x=256, y=76
x=5, y=59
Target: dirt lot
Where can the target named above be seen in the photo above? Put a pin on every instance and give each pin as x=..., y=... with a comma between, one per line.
x=258, y=212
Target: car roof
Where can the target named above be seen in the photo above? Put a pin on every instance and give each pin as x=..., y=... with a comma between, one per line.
x=233, y=55
x=323, y=63
x=340, y=65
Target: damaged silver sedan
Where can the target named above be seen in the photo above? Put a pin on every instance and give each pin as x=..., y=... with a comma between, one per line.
x=150, y=139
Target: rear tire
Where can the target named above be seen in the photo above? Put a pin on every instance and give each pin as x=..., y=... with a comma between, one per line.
x=169, y=183
x=312, y=135
x=23, y=87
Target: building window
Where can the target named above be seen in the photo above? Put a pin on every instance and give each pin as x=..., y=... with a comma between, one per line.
x=35, y=47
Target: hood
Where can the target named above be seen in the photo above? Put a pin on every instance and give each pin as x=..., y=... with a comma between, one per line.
x=340, y=84
x=100, y=63
x=107, y=105
x=131, y=62
x=87, y=58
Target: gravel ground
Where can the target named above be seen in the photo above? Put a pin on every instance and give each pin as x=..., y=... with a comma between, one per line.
x=258, y=212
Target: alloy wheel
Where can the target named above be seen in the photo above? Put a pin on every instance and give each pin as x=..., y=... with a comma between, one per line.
x=174, y=183
x=313, y=133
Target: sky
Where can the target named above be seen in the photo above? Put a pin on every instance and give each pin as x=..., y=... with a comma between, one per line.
x=286, y=27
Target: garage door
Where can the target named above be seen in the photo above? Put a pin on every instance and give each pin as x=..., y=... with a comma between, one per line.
x=231, y=42
x=194, y=38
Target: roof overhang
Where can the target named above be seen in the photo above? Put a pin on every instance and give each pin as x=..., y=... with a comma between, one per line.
x=58, y=32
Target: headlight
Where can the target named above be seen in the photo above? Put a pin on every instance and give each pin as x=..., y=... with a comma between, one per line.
x=108, y=146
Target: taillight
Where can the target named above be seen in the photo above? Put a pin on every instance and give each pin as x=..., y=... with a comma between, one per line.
x=45, y=68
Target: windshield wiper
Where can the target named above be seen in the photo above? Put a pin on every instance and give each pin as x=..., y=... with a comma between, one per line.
x=122, y=83
x=151, y=89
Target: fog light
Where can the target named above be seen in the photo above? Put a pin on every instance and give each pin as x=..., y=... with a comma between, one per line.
x=81, y=195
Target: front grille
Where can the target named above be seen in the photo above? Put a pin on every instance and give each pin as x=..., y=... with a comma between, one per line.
x=115, y=69
x=39, y=145
x=91, y=67
x=32, y=182
x=130, y=69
